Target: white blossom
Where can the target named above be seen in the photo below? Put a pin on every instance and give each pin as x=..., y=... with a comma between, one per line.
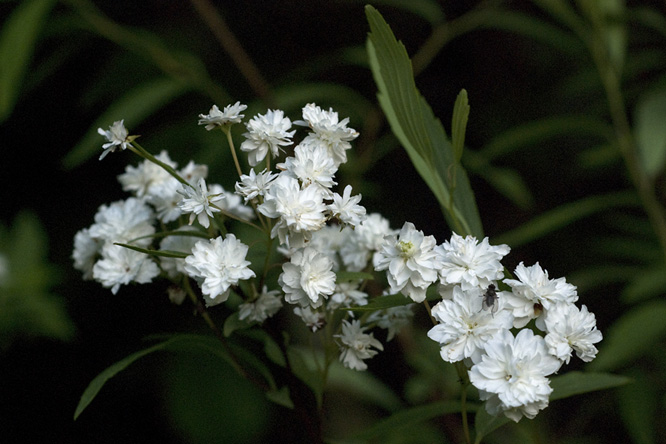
x=117, y=136
x=571, y=329
x=86, y=252
x=146, y=178
x=311, y=164
x=231, y=203
x=533, y=294
x=356, y=345
x=314, y=320
x=346, y=207
x=463, y=328
x=124, y=221
x=512, y=374
x=470, y=264
x=197, y=201
x=392, y=319
x=410, y=260
x=266, y=305
x=364, y=242
x=216, y=118
x=220, y=263
x=120, y=266
x=328, y=129
x=254, y=185
x=307, y=279
x=266, y=133
x=179, y=243
x=347, y=294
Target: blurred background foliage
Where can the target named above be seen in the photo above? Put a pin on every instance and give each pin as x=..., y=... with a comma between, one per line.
x=566, y=148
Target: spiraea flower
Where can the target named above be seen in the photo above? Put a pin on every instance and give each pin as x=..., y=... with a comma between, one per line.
x=512, y=374
x=311, y=164
x=253, y=185
x=220, y=263
x=463, y=328
x=570, y=329
x=124, y=221
x=327, y=128
x=120, y=266
x=410, y=260
x=392, y=319
x=146, y=178
x=266, y=133
x=266, y=305
x=470, y=264
x=183, y=243
x=346, y=207
x=86, y=252
x=314, y=320
x=197, y=201
x=117, y=137
x=347, y=294
x=300, y=211
x=307, y=279
x=534, y=293
x=356, y=345
x=216, y=118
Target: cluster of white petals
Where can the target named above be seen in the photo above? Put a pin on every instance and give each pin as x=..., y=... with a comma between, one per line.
x=308, y=278
x=266, y=133
x=229, y=115
x=328, y=129
x=470, y=264
x=117, y=136
x=571, y=329
x=512, y=374
x=265, y=306
x=219, y=263
x=356, y=345
x=199, y=201
x=410, y=260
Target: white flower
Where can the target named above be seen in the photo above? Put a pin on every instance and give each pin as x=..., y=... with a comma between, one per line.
x=180, y=243
x=300, y=211
x=253, y=185
x=463, y=328
x=120, y=266
x=165, y=200
x=147, y=177
x=197, y=200
x=512, y=374
x=356, y=345
x=221, y=263
x=266, y=305
x=311, y=164
x=117, y=136
x=533, y=294
x=571, y=329
x=231, y=203
x=365, y=239
x=307, y=279
x=392, y=319
x=314, y=320
x=86, y=251
x=124, y=221
x=230, y=115
x=266, y=133
x=410, y=260
x=328, y=129
x=469, y=264
x=346, y=208
x=329, y=240
x=347, y=294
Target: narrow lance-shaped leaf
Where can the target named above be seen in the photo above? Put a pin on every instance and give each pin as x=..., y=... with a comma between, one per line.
x=18, y=39
x=459, y=124
x=418, y=130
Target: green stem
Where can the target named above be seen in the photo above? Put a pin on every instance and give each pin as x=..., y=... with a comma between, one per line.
x=227, y=131
x=141, y=151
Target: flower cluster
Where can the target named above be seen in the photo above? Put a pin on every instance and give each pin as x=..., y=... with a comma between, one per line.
x=329, y=244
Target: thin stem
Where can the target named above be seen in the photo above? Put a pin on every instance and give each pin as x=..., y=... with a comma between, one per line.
x=142, y=152
x=234, y=49
x=227, y=131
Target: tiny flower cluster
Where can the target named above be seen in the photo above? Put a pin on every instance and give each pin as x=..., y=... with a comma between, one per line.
x=324, y=235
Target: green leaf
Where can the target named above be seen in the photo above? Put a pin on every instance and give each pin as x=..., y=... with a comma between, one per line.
x=383, y=302
x=348, y=276
x=134, y=107
x=233, y=323
x=18, y=39
x=459, y=124
x=638, y=405
x=646, y=284
x=651, y=132
x=631, y=336
x=417, y=129
x=564, y=215
x=175, y=343
x=281, y=397
x=576, y=383
x=484, y=423
x=408, y=418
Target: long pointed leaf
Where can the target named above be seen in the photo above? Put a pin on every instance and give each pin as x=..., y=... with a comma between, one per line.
x=17, y=44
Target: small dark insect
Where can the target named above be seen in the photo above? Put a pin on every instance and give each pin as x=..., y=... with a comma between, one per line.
x=490, y=299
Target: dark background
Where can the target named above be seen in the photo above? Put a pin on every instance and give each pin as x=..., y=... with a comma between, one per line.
x=510, y=79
